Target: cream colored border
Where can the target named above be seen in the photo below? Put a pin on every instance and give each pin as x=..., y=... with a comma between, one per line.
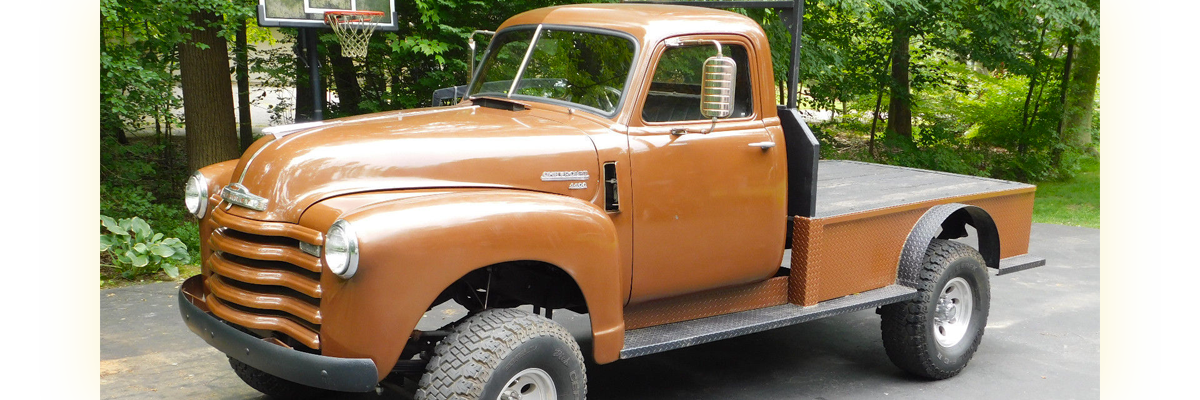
x=69, y=312
x=69, y=198
x=1131, y=198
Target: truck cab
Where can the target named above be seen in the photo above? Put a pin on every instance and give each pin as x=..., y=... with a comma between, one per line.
x=624, y=161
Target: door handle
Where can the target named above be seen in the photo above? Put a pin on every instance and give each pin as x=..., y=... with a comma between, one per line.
x=763, y=145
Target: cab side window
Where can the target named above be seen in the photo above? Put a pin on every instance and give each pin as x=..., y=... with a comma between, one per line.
x=674, y=93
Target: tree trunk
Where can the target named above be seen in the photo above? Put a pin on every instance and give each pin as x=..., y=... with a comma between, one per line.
x=109, y=123
x=1081, y=93
x=1065, y=80
x=395, y=88
x=345, y=78
x=243, y=81
x=376, y=82
x=1033, y=81
x=207, y=98
x=878, y=102
x=900, y=103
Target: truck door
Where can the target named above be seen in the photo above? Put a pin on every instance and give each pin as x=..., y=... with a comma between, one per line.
x=708, y=207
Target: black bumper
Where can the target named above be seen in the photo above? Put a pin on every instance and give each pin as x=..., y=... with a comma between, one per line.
x=340, y=374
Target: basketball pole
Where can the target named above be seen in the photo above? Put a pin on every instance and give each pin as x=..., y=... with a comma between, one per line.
x=314, y=73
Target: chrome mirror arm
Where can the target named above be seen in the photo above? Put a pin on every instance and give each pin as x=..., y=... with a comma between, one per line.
x=471, y=45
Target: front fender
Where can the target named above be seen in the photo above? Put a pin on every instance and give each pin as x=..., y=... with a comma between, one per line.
x=218, y=175
x=413, y=248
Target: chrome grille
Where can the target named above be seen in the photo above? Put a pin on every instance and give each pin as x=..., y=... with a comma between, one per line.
x=260, y=279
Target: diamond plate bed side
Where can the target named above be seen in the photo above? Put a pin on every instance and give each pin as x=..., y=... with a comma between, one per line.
x=802, y=281
x=852, y=253
x=1013, y=214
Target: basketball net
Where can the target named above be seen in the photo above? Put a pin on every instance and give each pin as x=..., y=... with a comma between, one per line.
x=353, y=29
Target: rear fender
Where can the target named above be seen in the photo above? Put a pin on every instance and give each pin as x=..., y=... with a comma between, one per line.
x=411, y=249
x=947, y=220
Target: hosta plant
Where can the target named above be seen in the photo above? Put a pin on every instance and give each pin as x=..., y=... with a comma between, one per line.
x=136, y=250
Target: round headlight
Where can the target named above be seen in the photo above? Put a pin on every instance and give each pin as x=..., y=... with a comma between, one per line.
x=341, y=249
x=195, y=194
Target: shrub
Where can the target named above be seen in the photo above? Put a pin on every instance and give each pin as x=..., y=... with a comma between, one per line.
x=135, y=249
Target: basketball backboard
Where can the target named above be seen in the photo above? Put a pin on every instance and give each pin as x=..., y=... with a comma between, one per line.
x=311, y=13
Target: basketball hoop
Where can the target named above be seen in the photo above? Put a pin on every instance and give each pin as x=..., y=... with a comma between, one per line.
x=353, y=29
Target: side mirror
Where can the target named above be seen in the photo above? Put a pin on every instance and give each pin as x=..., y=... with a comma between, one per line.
x=718, y=86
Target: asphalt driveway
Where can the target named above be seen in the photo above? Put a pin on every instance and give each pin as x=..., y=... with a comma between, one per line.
x=1042, y=341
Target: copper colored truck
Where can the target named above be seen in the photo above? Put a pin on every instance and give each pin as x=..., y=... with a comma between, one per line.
x=624, y=161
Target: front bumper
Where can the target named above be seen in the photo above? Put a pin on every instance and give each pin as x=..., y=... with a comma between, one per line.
x=332, y=373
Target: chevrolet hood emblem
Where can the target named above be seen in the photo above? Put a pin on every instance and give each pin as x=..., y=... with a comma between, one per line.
x=235, y=193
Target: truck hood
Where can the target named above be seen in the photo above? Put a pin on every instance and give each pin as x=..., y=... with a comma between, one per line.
x=452, y=147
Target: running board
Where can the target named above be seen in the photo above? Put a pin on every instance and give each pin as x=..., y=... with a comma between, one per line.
x=654, y=339
x=1019, y=263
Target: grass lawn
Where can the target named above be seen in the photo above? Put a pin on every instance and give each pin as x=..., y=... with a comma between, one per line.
x=1075, y=202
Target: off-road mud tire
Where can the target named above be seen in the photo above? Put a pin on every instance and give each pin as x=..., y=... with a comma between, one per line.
x=273, y=386
x=483, y=352
x=908, y=334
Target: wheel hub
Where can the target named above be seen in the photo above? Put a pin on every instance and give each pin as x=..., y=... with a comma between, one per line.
x=945, y=311
x=529, y=384
x=952, y=314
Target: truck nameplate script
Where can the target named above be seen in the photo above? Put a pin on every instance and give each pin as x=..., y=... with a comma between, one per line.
x=557, y=176
x=237, y=194
x=577, y=186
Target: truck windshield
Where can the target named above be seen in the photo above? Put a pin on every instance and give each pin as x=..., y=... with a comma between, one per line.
x=583, y=68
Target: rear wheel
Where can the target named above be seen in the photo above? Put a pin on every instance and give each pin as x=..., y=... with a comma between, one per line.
x=937, y=333
x=505, y=354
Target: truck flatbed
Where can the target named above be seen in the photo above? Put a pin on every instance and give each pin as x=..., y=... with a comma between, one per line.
x=846, y=187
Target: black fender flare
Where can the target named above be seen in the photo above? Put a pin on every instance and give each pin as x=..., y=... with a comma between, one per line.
x=949, y=220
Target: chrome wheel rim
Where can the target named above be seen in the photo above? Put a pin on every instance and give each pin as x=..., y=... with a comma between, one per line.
x=952, y=314
x=530, y=384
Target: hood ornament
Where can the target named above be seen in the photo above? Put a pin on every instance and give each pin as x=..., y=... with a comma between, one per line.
x=235, y=193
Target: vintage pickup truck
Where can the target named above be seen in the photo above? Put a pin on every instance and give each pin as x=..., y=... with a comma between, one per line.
x=624, y=161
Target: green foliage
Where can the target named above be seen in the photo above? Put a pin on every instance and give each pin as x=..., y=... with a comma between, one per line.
x=135, y=249
x=139, y=71
x=971, y=124
x=139, y=64
x=427, y=52
x=939, y=147
x=136, y=181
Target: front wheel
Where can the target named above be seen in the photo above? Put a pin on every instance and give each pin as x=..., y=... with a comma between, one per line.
x=935, y=334
x=274, y=386
x=505, y=354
